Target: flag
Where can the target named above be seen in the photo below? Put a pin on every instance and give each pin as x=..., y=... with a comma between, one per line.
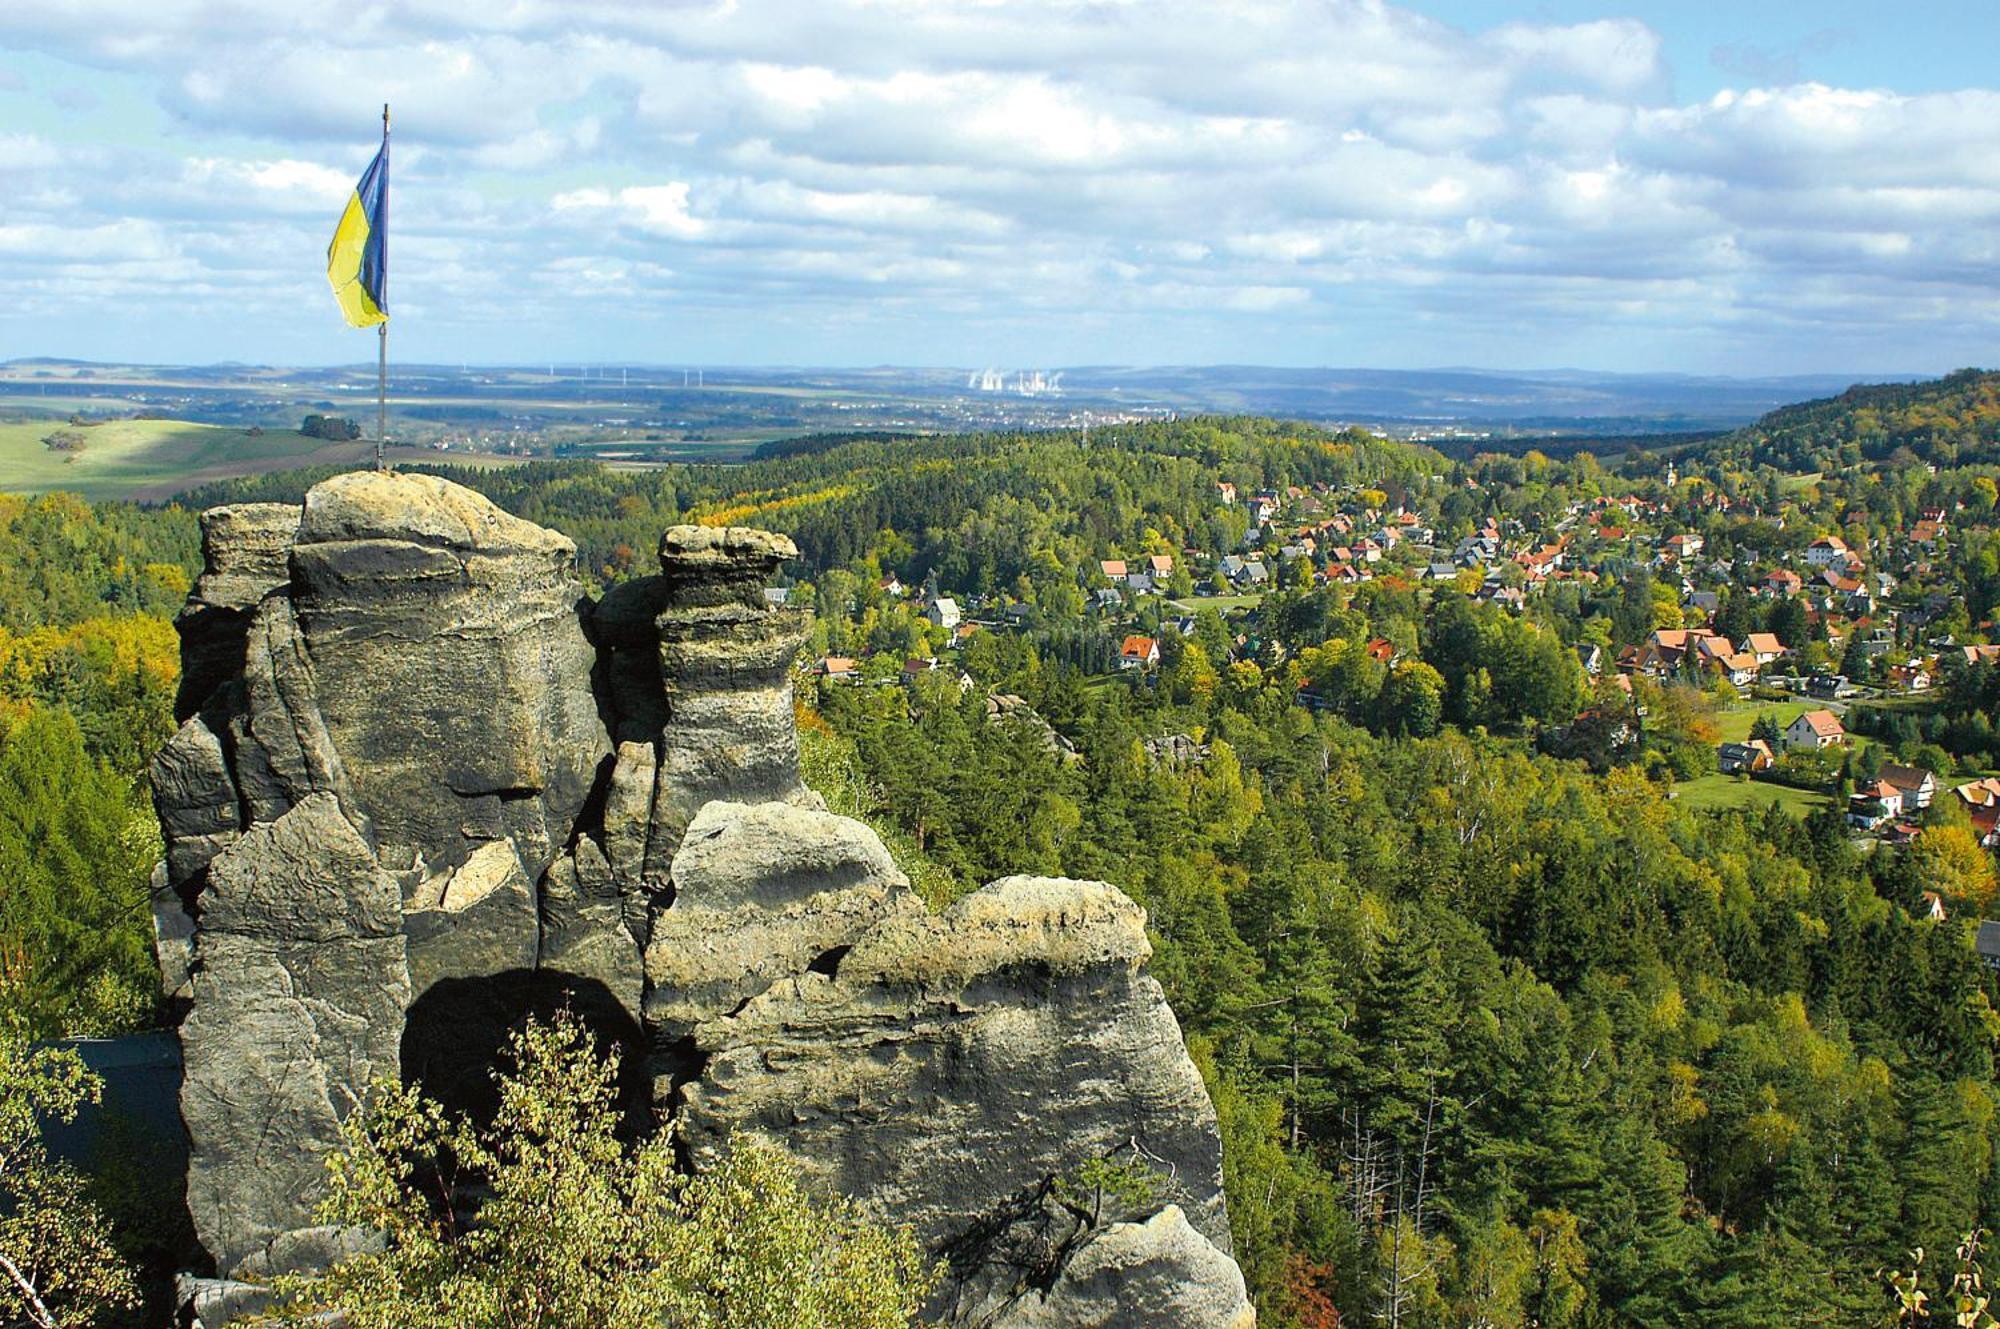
x=357, y=262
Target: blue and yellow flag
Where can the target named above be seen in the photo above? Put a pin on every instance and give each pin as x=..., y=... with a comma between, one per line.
x=357, y=262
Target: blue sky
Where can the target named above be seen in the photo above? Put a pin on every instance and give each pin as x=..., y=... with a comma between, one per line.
x=1720, y=188
x=1919, y=46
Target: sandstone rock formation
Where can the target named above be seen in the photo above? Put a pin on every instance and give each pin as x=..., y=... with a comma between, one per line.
x=423, y=784
x=952, y=1067
x=299, y=991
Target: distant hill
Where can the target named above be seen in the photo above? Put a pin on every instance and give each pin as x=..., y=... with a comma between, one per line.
x=1497, y=402
x=1947, y=421
x=1562, y=401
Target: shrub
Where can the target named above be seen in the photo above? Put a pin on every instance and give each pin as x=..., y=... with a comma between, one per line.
x=571, y=1228
x=58, y=1268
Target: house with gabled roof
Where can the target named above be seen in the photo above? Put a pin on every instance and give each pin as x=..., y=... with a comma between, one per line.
x=1748, y=757
x=1740, y=668
x=1814, y=731
x=1981, y=793
x=1986, y=824
x=1765, y=646
x=1873, y=804
x=1138, y=652
x=1664, y=651
x=1917, y=785
x=1914, y=676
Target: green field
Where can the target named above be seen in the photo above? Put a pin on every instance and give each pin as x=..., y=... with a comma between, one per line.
x=1718, y=793
x=154, y=459
x=1734, y=723
x=1221, y=604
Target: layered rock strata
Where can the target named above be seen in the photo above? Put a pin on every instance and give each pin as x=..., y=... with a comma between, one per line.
x=956, y=1072
x=423, y=783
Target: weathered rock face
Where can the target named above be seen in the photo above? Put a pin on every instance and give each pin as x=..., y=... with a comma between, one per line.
x=761, y=893
x=245, y=554
x=461, y=700
x=1157, y=1272
x=699, y=669
x=299, y=989
x=389, y=730
x=424, y=784
x=953, y=1065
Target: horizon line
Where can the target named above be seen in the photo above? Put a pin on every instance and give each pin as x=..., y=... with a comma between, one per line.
x=575, y=366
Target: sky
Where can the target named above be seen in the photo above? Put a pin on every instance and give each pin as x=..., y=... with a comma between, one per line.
x=1687, y=186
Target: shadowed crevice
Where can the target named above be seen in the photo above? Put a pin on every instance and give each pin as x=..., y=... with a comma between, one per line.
x=455, y=1038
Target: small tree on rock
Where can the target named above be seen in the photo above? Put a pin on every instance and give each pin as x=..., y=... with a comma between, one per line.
x=546, y=1218
x=58, y=1269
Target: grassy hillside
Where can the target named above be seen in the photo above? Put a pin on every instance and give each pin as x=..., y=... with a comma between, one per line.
x=152, y=459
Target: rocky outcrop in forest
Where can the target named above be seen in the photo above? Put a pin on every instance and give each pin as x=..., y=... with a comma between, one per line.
x=425, y=785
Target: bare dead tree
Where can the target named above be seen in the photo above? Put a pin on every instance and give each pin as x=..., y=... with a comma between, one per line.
x=1403, y=1275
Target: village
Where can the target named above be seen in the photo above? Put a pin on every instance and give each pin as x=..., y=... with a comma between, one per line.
x=1781, y=625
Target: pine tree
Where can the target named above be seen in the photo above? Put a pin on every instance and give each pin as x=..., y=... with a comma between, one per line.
x=76, y=852
x=1401, y=1035
x=1649, y=1258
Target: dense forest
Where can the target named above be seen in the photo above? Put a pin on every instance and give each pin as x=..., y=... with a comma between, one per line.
x=1954, y=421
x=1491, y=1037
x=1501, y=1030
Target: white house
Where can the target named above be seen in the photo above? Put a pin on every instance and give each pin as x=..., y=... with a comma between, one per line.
x=943, y=611
x=1872, y=805
x=1813, y=731
x=1138, y=652
x=1917, y=785
x=1764, y=645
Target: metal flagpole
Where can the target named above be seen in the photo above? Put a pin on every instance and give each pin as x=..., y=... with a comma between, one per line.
x=382, y=328
x=381, y=389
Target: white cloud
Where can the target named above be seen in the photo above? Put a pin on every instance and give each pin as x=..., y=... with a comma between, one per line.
x=26, y=152
x=286, y=182
x=662, y=209
x=1615, y=56
x=125, y=241
x=1260, y=299
x=1043, y=163
x=655, y=209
